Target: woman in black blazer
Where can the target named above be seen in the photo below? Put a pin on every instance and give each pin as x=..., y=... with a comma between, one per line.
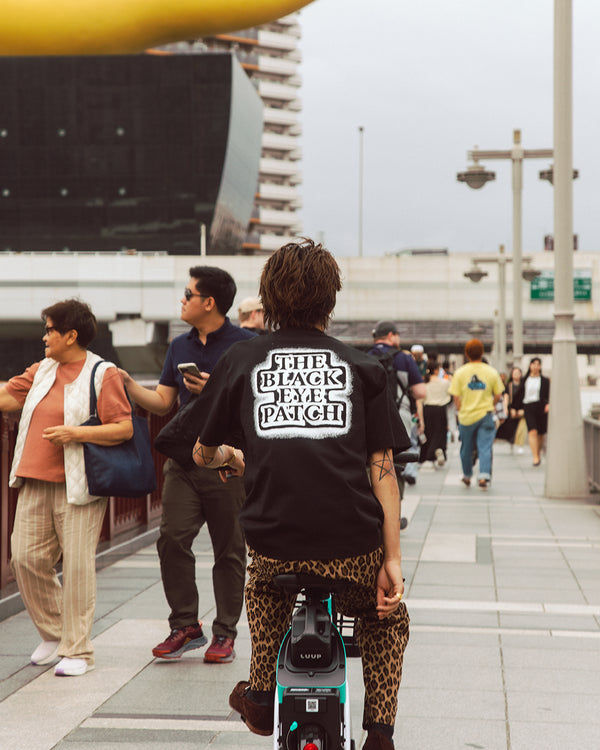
x=534, y=396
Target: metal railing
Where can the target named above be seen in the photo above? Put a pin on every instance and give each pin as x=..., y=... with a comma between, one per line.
x=124, y=514
x=591, y=436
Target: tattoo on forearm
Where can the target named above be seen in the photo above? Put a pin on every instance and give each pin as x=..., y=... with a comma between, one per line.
x=201, y=453
x=385, y=465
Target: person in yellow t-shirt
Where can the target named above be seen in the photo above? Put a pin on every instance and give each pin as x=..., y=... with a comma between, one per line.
x=477, y=388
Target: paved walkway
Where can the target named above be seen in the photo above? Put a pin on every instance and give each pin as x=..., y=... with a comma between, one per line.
x=503, y=588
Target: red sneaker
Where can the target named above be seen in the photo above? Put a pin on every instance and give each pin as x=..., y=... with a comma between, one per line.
x=179, y=641
x=220, y=650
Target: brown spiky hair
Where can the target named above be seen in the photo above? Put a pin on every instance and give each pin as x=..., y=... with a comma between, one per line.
x=298, y=286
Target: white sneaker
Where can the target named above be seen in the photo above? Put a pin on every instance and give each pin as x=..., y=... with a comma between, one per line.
x=520, y=450
x=67, y=667
x=440, y=459
x=45, y=653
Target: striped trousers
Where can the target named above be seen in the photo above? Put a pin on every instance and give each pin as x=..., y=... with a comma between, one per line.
x=46, y=527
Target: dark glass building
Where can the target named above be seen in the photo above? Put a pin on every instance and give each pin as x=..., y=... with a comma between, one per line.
x=127, y=152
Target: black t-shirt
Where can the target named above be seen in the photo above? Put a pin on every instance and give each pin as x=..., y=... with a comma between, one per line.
x=311, y=410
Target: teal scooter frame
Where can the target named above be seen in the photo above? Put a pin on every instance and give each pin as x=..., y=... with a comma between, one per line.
x=312, y=702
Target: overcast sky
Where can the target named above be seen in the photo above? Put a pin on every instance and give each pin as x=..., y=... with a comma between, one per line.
x=428, y=80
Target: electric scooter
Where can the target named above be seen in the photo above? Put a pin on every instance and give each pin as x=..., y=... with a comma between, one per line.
x=312, y=706
x=312, y=702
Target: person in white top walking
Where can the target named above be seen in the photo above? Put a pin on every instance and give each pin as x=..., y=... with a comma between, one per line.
x=533, y=397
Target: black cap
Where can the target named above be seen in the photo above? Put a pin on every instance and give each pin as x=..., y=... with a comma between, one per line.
x=383, y=328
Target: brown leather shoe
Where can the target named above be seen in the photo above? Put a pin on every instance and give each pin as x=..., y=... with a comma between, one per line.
x=258, y=719
x=377, y=741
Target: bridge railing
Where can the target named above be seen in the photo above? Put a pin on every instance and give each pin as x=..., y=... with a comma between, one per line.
x=591, y=433
x=124, y=514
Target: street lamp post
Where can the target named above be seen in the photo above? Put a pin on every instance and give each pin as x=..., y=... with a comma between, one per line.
x=476, y=176
x=361, y=131
x=566, y=475
x=476, y=274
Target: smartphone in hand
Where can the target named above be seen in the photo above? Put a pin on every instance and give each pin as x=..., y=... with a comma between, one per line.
x=189, y=368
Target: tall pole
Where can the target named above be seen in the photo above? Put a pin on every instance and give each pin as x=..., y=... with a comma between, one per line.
x=202, y=238
x=517, y=154
x=476, y=177
x=360, y=190
x=566, y=476
x=502, y=310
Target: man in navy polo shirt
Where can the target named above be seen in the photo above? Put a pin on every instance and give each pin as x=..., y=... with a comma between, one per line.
x=194, y=496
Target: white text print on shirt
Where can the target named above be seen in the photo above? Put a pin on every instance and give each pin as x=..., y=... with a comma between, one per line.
x=302, y=393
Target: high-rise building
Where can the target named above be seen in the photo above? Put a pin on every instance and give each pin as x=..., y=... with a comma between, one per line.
x=270, y=56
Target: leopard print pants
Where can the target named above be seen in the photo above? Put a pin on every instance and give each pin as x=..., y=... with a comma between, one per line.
x=382, y=642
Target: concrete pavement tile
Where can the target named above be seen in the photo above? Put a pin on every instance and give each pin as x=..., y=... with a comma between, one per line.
x=453, y=618
x=541, y=681
x=461, y=573
x=548, y=622
x=551, y=736
x=591, y=593
x=449, y=547
x=125, y=581
x=248, y=740
x=459, y=677
x=449, y=734
x=521, y=557
x=553, y=708
x=540, y=581
x=421, y=651
x=558, y=596
x=428, y=591
x=556, y=655
x=588, y=577
x=19, y=636
x=548, y=643
x=138, y=739
x=452, y=639
x=430, y=703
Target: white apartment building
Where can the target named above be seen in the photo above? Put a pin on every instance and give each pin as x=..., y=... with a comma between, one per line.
x=270, y=56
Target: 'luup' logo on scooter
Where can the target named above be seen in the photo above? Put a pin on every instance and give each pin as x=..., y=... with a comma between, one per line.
x=302, y=393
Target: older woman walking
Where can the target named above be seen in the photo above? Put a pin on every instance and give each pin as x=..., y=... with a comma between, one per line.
x=56, y=516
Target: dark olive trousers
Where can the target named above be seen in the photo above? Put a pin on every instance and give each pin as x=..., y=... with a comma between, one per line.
x=190, y=499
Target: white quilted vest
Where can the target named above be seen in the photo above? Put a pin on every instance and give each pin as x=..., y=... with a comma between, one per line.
x=77, y=410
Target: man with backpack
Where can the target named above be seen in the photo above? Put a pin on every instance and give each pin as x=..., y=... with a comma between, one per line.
x=405, y=383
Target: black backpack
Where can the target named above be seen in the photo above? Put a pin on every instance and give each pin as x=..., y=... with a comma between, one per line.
x=386, y=357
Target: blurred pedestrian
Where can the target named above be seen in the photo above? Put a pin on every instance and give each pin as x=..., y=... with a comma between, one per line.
x=418, y=354
x=477, y=388
x=250, y=315
x=507, y=430
x=435, y=416
x=410, y=386
x=533, y=396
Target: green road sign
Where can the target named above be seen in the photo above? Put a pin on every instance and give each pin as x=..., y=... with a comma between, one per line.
x=542, y=287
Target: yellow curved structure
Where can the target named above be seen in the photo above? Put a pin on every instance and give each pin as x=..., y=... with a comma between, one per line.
x=95, y=27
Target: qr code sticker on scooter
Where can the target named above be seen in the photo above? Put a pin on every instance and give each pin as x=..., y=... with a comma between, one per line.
x=312, y=705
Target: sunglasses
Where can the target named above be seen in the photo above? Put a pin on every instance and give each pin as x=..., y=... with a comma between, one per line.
x=188, y=294
x=49, y=329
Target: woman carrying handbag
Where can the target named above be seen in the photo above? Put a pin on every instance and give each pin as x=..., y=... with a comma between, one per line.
x=56, y=516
